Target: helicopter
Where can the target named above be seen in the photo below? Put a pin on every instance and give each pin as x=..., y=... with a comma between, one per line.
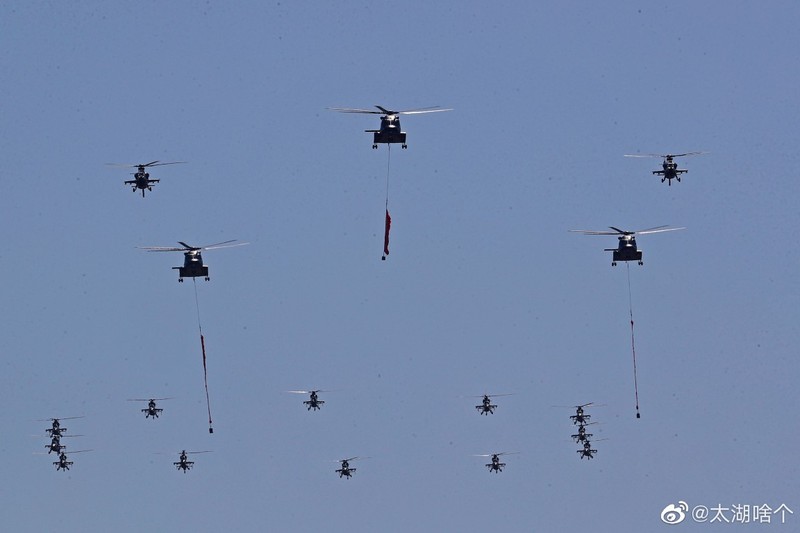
x=580, y=418
x=63, y=463
x=56, y=428
x=141, y=178
x=193, y=266
x=55, y=443
x=346, y=470
x=587, y=450
x=390, y=132
x=495, y=465
x=582, y=436
x=487, y=407
x=183, y=462
x=626, y=250
x=313, y=402
x=151, y=410
x=669, y=168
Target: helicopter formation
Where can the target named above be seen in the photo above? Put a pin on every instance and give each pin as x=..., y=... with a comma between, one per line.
x=390, y=132
x=56, y=432
x=582, y=437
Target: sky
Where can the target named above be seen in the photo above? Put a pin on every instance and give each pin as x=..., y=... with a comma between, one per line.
x=484, y=290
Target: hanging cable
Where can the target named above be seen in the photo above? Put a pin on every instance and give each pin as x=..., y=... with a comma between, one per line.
x=633, y=343
x=388, y=221
x=203, y=347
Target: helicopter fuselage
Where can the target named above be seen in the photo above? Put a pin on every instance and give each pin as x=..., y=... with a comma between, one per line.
x=141, y=181
x=670, y=171
x=193, y=266
x=389, y=133
x=626, y=250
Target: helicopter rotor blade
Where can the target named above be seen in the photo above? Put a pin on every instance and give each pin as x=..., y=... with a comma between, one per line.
x=160, y=164
x=354, y=110
x=594, y=232
x=148, y=399
x=657, y=229
x=225, y=244
x=421, y=110
x=201, y=451
x=162, y=248
x=686, y=154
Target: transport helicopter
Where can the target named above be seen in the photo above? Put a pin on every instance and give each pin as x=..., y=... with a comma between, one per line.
x=669, y=168
x=141, y=178
x=389, y=132
x=193, y=266
x=151, y=410
x=495, y=465
x=184, y=463
x=626, y=250
x=346, y=470
x=313, y=402
x=63, y=463
x=487, y=407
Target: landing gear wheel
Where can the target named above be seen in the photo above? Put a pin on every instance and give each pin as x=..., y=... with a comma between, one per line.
x=641, y=263
x=613, y=263
x=405, y=147
x=374, y=146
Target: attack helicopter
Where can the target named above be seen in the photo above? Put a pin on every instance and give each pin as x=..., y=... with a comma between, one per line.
x=56, y=428
x=587, y=450
x=63, y=463
x=389, y=132
x=184, y=463
x=193, y=266
x=346, y=470
x=141, y=178
x=495, y=465
x=55, y=443
x=487, y=407
x=313, y=402
x=626, y=250
x=151, y=410
x=669, y=168
x=582, y=436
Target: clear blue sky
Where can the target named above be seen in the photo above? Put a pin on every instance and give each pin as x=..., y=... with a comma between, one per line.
x=484, y=290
